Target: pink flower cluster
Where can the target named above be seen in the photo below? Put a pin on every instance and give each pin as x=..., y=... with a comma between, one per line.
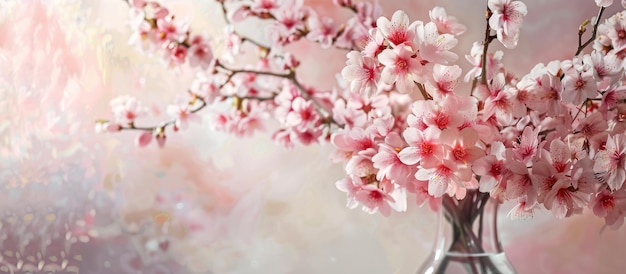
x=155, y=28
x=554, y=138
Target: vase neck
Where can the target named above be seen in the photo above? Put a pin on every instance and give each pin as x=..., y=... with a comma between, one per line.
x=469, y=225
x=467, y=238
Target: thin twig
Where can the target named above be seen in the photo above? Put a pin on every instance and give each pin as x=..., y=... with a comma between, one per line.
x=593, y=33
x=486, y=42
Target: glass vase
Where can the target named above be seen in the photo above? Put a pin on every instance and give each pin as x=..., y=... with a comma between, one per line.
x=467, y=238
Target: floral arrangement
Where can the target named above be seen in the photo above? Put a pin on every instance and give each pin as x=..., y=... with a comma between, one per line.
x=553, y=138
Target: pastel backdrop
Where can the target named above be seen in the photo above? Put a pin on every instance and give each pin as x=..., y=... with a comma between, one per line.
x=209, y=202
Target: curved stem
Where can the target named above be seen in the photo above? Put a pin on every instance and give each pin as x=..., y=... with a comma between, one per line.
x=461, y=216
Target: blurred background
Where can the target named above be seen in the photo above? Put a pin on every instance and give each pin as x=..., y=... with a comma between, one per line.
x=74, y=201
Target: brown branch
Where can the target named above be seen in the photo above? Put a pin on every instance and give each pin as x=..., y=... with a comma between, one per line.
x=291, y=76
x=165, y=124
x=581, y=30
x=423, y=91
x=486, y=42
x=261, y=47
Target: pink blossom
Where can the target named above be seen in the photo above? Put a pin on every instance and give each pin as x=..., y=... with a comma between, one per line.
x=144, y=139
x=461, y=145
x=445, y=23
x=175, y=54
x=126, y=109
x=239, y=123
x=168, y=30
x=288, y=20
x=440, y=177
x=322, y=30
x=387, y=161
x=307, y=136
x=445, y=80
x=302, y=115
x=523, y=209
x=494, y=62
x=354, y=36
x=610, y=206
x=200, y=53
x=156, y=11
x=611, y=162
x=578, y=86
x=289, y=62
x=375, y=45
x=368, y=12
x=398, y=31
x=239, y=14
x=508, y=39
x=160, y=138
x=350, y=185
x=283, y=138
x=526, y=150
x=592, y=125
x=232, y=44
x=349, y=116
x=362, y=73
x=520, y=184
x=182, y=114
x=563, y=201
x=491, y=169
x=420, y=189
x=424, y=147
x=352, y=140
x=400, y=69
x=433, y=46
x=507, y=19
x=606, y=68
x=361, y=163
x=502, y=102
x=615, y=29
x=107, y=127
x=205, y=87
x=452, y=112
x=260, y=6
x=374, y=199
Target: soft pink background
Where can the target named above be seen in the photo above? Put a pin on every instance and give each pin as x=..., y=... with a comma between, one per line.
x=262, y=209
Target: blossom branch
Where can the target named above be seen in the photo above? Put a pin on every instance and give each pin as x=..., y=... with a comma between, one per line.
x=291, y=76
x=486, y=42
x=161, y=128
x=582, y=29
x=261, y=47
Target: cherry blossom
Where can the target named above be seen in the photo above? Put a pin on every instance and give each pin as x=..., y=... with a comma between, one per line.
x=507, y=20
x=445, y=23
x=491, y=168
x=126, y=109
x=611, y=162
x=396, y=115
x=200, y=53
x=400, y=69
x=322, y=31
x=183, y=115
x=387, y=161
x=423, y=147
x=433, y=46
x=445, y=80
x=374, y=199
x=399, y=31
x=609, y=206
x=362, y=73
